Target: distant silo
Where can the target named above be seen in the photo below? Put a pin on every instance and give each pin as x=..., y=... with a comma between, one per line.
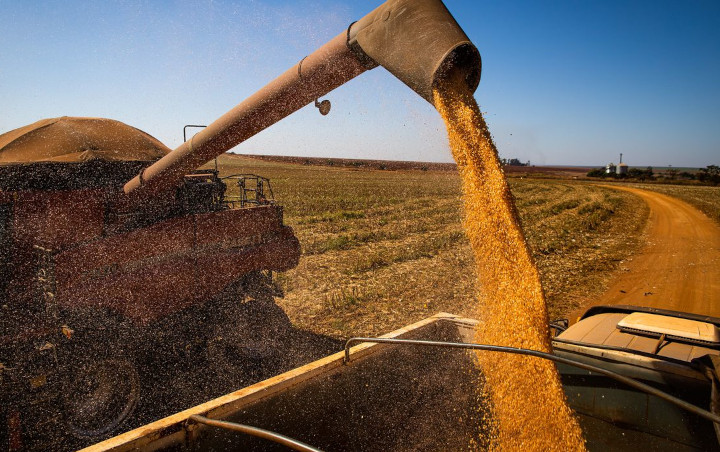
x=610, y=168
x=622, y=168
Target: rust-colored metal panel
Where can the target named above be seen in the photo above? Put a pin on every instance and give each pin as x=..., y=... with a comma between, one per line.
x=130, y=251
x=58, y=219
x=238, y=227
x=142, y=294
x=217, y=269
x=152, y=272
x=6, y=197
x=137, y=274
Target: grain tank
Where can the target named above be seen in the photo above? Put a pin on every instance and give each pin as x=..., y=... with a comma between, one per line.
x=107, y=237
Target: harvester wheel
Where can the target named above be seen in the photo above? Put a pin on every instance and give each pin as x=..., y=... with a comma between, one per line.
x=248, y=342
x=100, y=395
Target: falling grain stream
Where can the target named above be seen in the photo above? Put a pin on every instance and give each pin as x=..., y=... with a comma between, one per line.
x=527, y=404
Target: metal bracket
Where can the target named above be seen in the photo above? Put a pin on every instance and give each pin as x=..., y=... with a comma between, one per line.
x=323, y=106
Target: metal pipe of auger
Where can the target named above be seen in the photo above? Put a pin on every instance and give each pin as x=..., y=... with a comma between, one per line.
x=328, y=67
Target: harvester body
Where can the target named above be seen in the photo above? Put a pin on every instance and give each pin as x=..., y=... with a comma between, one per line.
x=82, y=247
x=88, y=278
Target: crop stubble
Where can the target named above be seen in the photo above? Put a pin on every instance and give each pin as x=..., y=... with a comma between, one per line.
x=381, y=252
x=382, y=249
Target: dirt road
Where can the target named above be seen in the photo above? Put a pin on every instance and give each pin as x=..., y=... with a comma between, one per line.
x=679, y=266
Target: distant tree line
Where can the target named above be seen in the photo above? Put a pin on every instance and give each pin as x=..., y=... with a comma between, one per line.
x=709, y=175
x=632, y=173
x=514, y=162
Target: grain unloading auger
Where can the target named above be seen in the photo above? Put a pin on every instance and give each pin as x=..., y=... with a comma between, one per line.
x=418, y=41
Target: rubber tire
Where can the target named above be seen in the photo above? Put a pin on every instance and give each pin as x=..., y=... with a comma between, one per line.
x=247, y=343
x=100, y=395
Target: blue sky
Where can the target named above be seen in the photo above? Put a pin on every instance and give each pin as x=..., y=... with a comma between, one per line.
x=564, y=82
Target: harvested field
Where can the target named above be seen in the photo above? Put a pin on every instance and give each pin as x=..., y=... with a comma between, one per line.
x=382, y=249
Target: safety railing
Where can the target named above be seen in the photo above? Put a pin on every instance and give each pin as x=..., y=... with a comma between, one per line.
x=252, y=190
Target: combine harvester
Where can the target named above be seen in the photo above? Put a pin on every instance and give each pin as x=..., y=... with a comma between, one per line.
x=634, y=376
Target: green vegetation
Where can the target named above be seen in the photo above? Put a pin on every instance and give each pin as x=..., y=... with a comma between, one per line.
x=632, y=174
x=709, y=175
x=382, y=249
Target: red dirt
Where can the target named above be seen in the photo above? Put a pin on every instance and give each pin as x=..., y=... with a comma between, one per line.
x=678, y=268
